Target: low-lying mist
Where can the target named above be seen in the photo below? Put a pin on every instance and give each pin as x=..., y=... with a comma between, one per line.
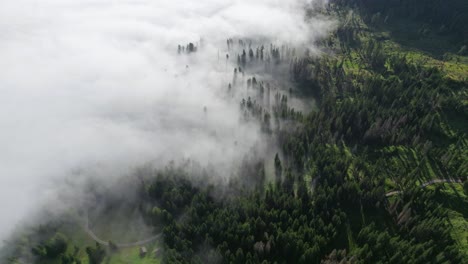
x=98, y=86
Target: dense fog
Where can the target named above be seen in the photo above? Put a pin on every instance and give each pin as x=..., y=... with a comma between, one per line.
x=98, y=86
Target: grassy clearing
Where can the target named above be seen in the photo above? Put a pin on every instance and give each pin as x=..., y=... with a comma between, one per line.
x=132, y=255
x=424, y=47
x=79, y=240
x=421, y=44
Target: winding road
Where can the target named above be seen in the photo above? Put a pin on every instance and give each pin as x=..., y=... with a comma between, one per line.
x=424, y=185
x=139, y=243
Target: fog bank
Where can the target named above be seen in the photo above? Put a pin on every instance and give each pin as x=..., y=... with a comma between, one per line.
x=99, y=83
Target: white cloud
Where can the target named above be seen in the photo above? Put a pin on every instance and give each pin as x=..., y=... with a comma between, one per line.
x=99, y=82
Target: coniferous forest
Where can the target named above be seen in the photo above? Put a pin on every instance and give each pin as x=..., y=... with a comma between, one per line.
x=375, y=171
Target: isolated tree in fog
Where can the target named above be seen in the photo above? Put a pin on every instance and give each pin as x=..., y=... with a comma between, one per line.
x=244, y=58
x=278, y=169
x=191, y=47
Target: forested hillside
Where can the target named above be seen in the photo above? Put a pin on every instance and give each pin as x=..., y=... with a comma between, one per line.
x=376, y=172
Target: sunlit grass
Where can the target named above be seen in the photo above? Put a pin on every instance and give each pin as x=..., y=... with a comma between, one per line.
x=455, y=200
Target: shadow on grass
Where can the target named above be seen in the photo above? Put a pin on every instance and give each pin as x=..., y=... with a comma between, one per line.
x=414, y=35
x=451, y=198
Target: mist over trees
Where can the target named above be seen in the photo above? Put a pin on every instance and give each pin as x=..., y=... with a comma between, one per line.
x=106, y=90
x=374, y=172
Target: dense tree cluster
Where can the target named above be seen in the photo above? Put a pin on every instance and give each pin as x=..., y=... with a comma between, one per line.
x=189, y=48
x=389, y=122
